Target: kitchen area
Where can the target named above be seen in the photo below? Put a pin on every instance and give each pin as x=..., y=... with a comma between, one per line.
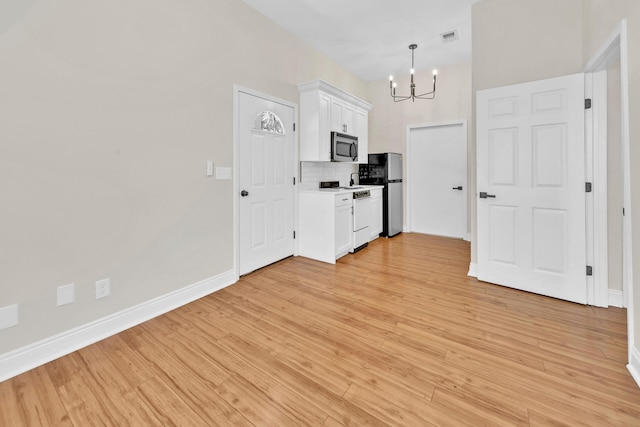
x=347, y=197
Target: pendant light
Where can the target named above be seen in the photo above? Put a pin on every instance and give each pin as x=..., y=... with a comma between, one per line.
x=412, y=87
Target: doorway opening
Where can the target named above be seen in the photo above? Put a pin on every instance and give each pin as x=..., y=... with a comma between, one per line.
x=437, y=179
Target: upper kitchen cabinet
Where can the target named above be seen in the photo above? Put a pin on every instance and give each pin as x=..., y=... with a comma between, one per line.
x=325, y=108
x=342, y=117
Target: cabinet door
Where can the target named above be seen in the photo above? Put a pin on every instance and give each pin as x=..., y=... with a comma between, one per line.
x=324, y=128
x=315, y=127
x=376, y=218
x=362, y=132
x=342, y=117
x=344, y=230
x=348, y=119
x=337, y=107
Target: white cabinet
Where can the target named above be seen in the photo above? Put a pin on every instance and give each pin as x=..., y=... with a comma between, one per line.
x=362, y=132
x=325, y=225
x=343, y=117
x=376, y=213
x=325, y=108
x=344, y=227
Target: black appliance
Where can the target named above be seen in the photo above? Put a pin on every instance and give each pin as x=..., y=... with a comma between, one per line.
x=386, y=169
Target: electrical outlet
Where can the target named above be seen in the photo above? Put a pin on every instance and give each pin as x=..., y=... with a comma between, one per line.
x=8, y=316
x=66, y=294
x=103, y=288
x=223, y=172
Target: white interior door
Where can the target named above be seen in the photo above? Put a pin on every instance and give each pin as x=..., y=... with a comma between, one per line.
x=265, y=149
x=531, y=168
x=438, y=179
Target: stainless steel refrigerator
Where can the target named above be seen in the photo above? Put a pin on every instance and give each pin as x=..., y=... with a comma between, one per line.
x=386, y=169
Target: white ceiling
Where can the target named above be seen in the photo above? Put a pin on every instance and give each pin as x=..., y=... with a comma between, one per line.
x=371, y=38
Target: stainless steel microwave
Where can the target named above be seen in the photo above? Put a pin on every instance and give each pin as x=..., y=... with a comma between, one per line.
x=344, y=148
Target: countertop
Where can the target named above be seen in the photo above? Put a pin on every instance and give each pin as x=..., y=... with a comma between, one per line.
x=342, y=190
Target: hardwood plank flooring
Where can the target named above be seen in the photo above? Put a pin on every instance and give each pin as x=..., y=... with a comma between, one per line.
x=395, y=335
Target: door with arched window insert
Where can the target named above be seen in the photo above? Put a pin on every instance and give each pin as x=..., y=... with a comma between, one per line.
x=266, y=202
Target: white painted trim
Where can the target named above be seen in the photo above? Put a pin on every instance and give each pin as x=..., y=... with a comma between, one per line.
x=589, y=197
x=468, y=238
x=634, y=365
x=33, y=355
x=596, y=172
x=607, y=53
x=615, y=298
x=600, y=191
x=465, y=207
x=627, y=247
x=236, y=169
x=335, y=92
x=473, y=270
x=618, y=43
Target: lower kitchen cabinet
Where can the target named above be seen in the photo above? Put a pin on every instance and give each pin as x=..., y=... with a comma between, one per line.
x=325, y=225
x=344, y=227
x=376, y=215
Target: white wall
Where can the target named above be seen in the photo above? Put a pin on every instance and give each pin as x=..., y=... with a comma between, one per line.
x=388, y=120
x=108, y=113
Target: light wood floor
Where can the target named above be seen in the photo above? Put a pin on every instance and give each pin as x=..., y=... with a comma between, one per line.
x=394, y=335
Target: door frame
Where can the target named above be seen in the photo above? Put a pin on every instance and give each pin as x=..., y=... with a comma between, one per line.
x=237, y=89
x=408, y=181
x=596, y=201
x=616, y=44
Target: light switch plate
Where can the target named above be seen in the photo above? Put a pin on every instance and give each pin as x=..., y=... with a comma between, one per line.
x=209, y=167
x=223, y=173
x=8, y=316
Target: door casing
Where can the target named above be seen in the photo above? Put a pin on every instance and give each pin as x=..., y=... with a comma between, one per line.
x=616, y=45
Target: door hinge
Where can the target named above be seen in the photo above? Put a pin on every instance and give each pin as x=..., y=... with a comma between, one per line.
x=294, y=180
x=589, y=270
x=294, y=234
x=588, y=187
x=587, y=103
x=294, y=127
x=622, y=211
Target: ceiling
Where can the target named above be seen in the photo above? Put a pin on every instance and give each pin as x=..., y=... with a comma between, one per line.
x=371, y=38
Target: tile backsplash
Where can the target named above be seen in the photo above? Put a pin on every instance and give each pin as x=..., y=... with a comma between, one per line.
x=311, y=173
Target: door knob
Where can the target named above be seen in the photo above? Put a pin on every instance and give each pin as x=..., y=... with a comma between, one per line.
x=244, y=193
x=484, y=195
x=459, y=187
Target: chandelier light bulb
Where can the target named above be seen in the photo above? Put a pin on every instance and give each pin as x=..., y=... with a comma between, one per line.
x=413, y=71
x=435, y=72
x=390, y=78
x=395, y=84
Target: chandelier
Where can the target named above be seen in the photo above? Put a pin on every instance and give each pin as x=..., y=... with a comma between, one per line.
x=412, y=86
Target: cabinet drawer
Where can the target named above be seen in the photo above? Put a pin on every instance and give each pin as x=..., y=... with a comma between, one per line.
x=343, y=199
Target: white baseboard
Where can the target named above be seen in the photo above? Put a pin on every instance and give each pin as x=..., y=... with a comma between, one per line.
x=468, y=238
x=473, y=269
x=33, y=355
x=634, y=365
x=615, y=298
